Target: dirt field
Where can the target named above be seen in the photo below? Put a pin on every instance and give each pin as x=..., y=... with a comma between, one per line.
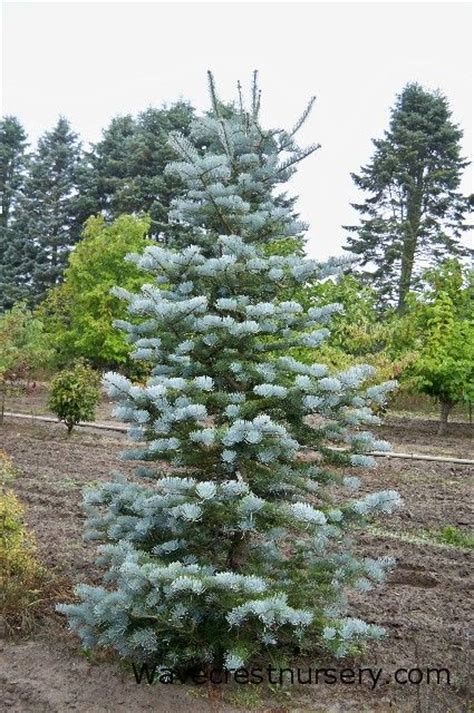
x=425, y=606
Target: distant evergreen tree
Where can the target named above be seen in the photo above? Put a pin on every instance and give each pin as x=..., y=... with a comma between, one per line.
x=105, y=170
x=240, y=550
x=151, y=152
x=414, y=213
x=48, y=216
x=124, y=172
x=13, y=142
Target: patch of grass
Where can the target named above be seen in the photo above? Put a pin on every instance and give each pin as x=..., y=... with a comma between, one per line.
x=21, y=575
x=69, y=483
x=446, y=538
x=8, y=470
x=452, y=535
x=249, y=697
x=23, y=580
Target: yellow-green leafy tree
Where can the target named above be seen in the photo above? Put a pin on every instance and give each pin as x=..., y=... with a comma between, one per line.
x=23, y=351
x=79, y=313
x=444, y=368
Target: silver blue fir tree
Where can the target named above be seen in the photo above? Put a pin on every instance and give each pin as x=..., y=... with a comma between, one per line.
x=237, y=542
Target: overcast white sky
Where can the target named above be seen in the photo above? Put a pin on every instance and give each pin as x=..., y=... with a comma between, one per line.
x=90, y=61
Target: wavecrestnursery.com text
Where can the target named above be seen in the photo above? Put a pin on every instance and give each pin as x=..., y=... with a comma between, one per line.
x=373, y=677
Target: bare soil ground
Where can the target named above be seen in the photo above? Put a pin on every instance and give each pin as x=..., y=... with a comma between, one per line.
x=425, y=606
x=412, y=432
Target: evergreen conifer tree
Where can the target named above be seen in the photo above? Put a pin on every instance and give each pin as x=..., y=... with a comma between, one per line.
x=12, y=173
x=13, y=142
x=414, y=213
x=239, y=550
x=104, y=171
x=125, y=171
x=48, y=218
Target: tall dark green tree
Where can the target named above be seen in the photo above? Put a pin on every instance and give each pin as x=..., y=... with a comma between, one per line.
x=414, y=212
x=13, y=143
x=48, y=217
x=12, y=174
x=104, y=173
x=125, y=170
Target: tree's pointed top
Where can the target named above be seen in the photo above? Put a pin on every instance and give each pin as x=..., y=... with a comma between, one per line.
x=255, y=94
x=241, y=101
x=62, y=123
x=304, y=116
x=212, y=92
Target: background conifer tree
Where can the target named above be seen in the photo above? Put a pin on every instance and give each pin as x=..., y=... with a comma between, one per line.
x=239, y=550
x=13, y=142
x=414, y=213
x=125, y=171
x=48, y=216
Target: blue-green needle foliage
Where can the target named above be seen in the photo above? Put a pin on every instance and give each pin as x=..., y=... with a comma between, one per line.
x=238, y=550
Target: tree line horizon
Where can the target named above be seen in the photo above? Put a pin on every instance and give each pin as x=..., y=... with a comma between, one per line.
x=412, y=215
x=69, y=217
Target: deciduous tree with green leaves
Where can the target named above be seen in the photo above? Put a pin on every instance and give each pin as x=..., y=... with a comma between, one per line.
x=79, y=314
x=358, y=333
x=74, y=394
x=444, y=368
x=24, y=349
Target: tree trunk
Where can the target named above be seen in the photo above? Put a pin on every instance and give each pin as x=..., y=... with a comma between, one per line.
x=237, y=552
x=445, y=408
x=410, y=240
x=408, y=259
